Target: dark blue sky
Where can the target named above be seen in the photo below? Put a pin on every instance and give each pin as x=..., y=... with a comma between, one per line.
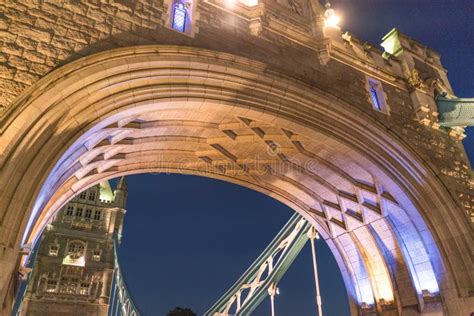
x=187, y=239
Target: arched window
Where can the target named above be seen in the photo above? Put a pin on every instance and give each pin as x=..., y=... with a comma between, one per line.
x=181, y=16
x=75, y=250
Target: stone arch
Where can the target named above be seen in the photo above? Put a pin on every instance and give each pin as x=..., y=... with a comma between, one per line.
x=110, y=114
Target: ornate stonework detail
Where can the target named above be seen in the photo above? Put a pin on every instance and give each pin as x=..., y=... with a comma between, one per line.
x=439, y=88
x=414, y=79
x=427, y=117
x=68, y=265
x=347, y=37
x=256, y=26
x=296, y=6
x=467, y=201
x=324, y=54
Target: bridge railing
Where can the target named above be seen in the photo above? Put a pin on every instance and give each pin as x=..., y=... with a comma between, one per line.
x=262, y=278
x=455, y=111
x=120, y=303
x=24, y=280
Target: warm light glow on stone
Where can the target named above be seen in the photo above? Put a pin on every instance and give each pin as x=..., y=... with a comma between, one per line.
x=332, y=19
x=230, y=3
x=249, y=3
x=79, y=262
x=106, y=194
x=374, y=262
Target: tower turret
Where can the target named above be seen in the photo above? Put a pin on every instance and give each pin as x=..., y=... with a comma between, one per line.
x=121, y=193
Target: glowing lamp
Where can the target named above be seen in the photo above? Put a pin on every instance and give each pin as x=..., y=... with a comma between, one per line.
x=249, y=3
x=230, y=3
x=331, y=18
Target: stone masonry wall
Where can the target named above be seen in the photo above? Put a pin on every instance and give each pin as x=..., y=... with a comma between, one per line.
x=37, y=37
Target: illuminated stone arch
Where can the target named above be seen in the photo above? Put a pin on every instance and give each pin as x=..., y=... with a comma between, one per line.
x=381, y=210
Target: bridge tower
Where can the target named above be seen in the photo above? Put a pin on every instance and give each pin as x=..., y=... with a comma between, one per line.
x=75, y=260
x=364, y=143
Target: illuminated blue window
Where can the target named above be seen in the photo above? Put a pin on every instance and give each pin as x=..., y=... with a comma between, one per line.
x=179, y=17
x=377, y=96
x=373, y=94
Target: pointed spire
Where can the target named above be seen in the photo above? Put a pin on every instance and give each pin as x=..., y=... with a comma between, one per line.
x=121, y=193
x=122, y=184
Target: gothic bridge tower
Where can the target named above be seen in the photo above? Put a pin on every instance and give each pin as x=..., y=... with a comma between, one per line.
x=73, y=269
x=268, y=94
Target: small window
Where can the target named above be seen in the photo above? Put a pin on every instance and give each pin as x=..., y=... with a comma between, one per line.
x=51, y=286
x=179, y=17
x=98, y=215
x=96, y=255
x=70, y=210
x=88, y=213
x=377, y=96
x=79, y=212
x=53, y=250
x=92, y=196
x=82, y=195
x=84, y=289
x=75, y=250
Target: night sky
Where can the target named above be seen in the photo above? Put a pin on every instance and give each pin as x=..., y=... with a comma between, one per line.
x=187, y=238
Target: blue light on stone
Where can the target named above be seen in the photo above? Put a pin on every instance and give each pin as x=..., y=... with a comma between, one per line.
x=179, y=17
x=373, y=94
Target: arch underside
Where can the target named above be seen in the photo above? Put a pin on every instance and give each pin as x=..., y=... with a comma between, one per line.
x=238, y=122
x=319, y=177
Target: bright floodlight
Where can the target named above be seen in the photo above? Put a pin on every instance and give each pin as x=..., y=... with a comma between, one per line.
x=249, y=3
x=332, y=19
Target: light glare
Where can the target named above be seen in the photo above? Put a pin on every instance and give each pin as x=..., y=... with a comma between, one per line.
x=249, y=3
x=333, y=21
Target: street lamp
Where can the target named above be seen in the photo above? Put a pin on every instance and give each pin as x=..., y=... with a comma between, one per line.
x=331, y=18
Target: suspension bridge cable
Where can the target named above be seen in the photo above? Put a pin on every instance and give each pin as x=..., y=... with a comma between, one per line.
x=313, y=234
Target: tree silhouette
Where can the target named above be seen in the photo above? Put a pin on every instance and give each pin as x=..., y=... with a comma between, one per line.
x=178, y=311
